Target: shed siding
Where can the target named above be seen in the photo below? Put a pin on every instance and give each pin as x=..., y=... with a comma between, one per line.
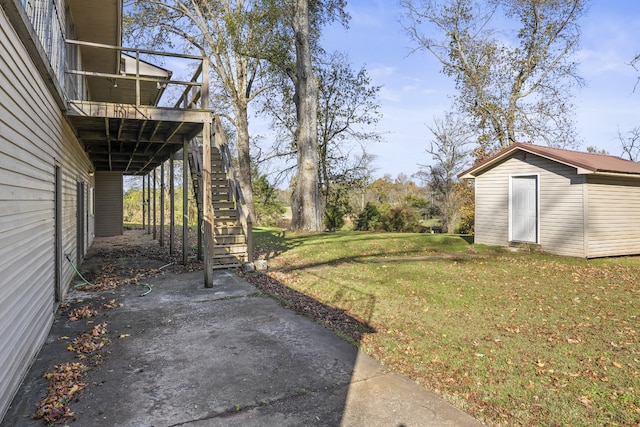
x=614, y=208
x=492, y=207
x=109, y=214
x=561, y=220
x=34, y=137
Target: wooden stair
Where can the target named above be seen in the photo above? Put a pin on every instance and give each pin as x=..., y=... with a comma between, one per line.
x=230, y=247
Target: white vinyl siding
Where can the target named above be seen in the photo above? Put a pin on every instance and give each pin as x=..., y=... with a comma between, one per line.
x=109, y=215
x=492, y=207
x=560, y=203
x=34, y=136
x=614, y=209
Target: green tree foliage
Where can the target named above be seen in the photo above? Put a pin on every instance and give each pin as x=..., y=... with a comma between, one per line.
x=132, y=206
x=269, y=208
x=387, y=218
x=133, y=201
x=369, y=218
x=515, y=86
x=338, y=205
x=333, y=218
x=420, y=204
x=465, y=193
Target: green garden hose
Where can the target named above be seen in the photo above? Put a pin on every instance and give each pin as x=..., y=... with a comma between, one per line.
x=91, y=285
x=86, y=282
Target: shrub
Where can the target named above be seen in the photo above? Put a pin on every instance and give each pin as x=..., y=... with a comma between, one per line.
x=333, y=218
x=267, y=205
x=387, y=218
x=368, y=218
x=400, y=219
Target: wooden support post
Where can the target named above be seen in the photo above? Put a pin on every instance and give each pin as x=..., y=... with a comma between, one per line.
x=200, y=253
x=149, y=203
x=207, y=206
x=172, y=206
x=162, y=204
x=144, y=207
x=155, y=193
x=185, y=200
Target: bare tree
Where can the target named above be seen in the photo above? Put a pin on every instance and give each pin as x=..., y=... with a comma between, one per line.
x=225, y=31
x=348, y=111
x=292, y=54
x=305, y=200
x=630, y=143
x=516, y=88
x=634, y=64
x=449, y=150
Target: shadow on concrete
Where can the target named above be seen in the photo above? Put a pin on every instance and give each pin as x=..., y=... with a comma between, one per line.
x=184, y=355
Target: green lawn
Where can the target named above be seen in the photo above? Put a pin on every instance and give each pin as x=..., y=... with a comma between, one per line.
x=512, y=338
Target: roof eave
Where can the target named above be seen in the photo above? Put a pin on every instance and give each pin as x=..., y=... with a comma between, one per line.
x=617, y=174
x=528, y=148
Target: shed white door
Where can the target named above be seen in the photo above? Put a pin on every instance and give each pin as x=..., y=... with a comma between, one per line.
x=524, y=209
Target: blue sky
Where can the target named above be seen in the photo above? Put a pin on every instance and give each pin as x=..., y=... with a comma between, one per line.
x=414, y=91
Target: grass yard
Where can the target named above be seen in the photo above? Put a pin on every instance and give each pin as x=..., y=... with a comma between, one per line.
x=515, y=339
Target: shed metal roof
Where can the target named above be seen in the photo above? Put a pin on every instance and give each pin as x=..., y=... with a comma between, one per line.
x=585, y=163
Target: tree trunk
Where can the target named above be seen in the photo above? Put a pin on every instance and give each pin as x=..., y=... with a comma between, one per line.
x=305, y=200
x=244, y=158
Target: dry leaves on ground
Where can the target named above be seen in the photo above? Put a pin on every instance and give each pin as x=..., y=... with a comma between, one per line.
x=64, y=382
x=83, y=312
x=90, y=341
x=332, y=318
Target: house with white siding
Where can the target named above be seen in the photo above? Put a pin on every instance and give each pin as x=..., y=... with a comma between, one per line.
x=563, y=202
x=78, y=111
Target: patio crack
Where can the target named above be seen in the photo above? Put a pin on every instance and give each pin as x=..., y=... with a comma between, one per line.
x=265, y=404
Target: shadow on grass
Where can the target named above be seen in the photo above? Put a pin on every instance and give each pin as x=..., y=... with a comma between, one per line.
x=468, y=238
x=271, y=242
x=332, y=318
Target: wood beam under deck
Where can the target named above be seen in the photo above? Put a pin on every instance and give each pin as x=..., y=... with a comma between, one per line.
x=132, y=112
x=133, y=140
x=175, y=128
x=120, y=128
x=106, y=129
x=135, y=149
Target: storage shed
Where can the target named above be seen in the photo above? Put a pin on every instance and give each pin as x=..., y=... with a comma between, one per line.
x=564, y=202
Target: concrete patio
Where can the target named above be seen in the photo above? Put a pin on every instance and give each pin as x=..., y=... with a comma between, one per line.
x=184, y=355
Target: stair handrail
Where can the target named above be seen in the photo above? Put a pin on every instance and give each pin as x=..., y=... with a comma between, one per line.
x=220, y=141
x=195, y=161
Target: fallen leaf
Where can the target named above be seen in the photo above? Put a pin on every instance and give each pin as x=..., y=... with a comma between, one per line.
x=585, y=401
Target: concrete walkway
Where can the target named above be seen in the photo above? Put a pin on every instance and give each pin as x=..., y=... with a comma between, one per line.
x=228, y=356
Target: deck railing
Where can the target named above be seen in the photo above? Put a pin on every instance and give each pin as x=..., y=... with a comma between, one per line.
x=48, y=19
x=56, y=38
x=220, y=141
x=190, y=91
